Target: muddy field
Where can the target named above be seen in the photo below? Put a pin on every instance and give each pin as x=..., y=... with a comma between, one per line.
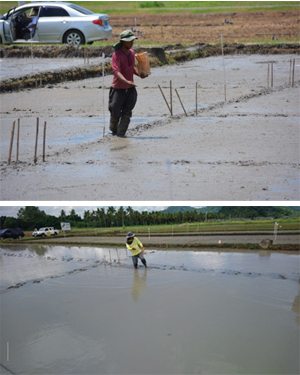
x=82, y=310
x=244, y=148
x=195, y=27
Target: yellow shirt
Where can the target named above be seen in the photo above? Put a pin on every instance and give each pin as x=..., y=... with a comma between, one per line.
x=136, y=243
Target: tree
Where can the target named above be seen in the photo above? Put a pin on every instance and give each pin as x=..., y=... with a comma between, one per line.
x=111, y=212
x=63, y=215
x=31, y=217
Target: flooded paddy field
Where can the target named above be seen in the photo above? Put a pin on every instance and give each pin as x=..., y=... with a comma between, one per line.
x=244, y=148
x=85, y=310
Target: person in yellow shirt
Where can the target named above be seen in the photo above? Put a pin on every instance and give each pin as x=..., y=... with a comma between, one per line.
x=134, y=245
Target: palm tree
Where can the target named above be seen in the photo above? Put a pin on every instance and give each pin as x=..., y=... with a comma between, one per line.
x=111, y=212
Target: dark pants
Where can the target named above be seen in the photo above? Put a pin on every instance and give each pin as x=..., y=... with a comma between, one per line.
x=135, y=260
x=121, y=103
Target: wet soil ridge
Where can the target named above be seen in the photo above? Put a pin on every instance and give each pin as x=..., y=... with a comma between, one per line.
x=158, y=56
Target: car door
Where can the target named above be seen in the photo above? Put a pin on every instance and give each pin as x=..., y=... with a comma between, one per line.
x=53, y=22
x=8, y=28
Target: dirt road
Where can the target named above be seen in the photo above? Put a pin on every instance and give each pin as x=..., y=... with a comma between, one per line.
x=244, y=148
x=184, y=240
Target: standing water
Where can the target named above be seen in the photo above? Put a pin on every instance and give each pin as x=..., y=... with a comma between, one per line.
x=85, y=310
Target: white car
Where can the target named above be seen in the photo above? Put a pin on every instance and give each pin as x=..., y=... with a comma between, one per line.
x=54, y=22
x=43, y=232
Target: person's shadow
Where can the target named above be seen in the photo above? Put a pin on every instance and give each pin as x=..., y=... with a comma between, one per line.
x=139, y=284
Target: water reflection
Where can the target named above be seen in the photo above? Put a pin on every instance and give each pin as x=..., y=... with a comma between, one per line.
x=296, y=306
x=139, y=284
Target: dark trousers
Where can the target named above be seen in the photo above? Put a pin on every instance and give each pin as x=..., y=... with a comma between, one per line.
x=121, y=101
x=135, y=260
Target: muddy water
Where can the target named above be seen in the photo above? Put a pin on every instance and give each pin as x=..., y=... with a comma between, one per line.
x=84, y=310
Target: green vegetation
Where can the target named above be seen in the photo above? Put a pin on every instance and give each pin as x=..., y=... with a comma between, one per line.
x=113, y=7
x=114, y=220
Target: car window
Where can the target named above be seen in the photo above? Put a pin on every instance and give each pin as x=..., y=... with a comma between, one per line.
x=80, y=9
x=53, y=12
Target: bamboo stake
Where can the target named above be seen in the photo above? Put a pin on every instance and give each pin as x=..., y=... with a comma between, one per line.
x=196, y=98
x=18, y=138
x=165, y=99
x=11, y=142
x=103, y=71
x=290, y=73
x=171, y=101
x=268, y=76
x=223, y=66
x=36, y=140
x=272, y=76
x=293, y=73
x=44, y=140
x=181, y=102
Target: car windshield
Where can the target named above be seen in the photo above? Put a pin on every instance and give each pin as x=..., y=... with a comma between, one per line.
x=2, y=231
x=80, y=9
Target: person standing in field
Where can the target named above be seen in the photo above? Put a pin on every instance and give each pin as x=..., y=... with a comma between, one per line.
x=134, y=245
x=123, y=94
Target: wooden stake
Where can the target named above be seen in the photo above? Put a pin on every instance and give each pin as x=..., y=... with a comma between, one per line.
x=181, y=102
x=44, y=141
x=18, y=138
x=268, y=76
x=11, y=142
x=36, y=140
x=165, y=99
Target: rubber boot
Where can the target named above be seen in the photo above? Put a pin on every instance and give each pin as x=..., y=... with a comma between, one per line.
x=113, y=126
x=124, y=123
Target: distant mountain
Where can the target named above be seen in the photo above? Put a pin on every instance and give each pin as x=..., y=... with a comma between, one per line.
x=175, y=209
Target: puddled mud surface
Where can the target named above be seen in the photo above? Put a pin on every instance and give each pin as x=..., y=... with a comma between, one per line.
x=81, y=304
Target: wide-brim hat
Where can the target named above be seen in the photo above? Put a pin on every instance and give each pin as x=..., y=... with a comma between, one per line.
x=129, y=235
x=125, y=36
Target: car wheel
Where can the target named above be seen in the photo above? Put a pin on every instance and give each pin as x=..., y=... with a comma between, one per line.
x=2, y=238
x=19, y=237
x=43, y=235
x=74, y=37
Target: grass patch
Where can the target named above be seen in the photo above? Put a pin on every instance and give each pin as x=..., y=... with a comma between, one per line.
x=153, y=7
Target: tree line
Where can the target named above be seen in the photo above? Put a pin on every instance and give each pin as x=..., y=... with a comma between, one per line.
x=31, y=217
